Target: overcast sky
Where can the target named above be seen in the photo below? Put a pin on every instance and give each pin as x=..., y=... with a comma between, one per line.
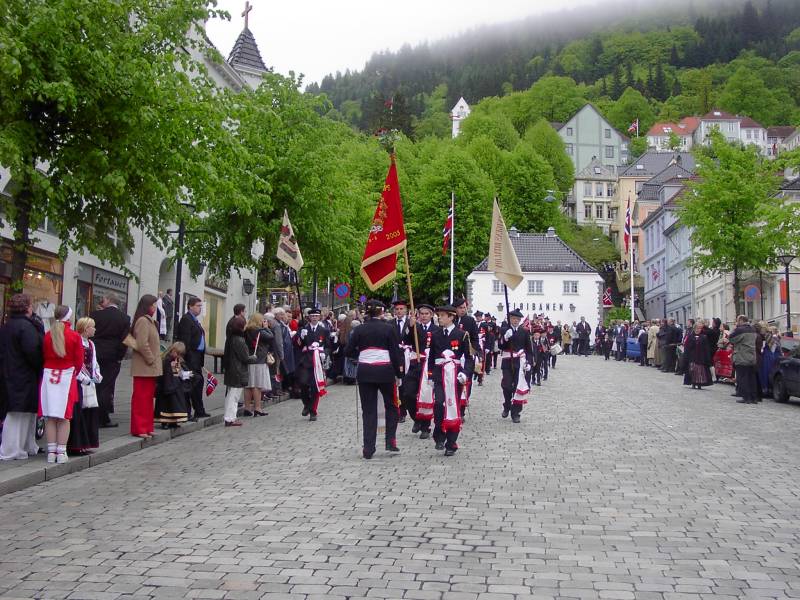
x=318, y=37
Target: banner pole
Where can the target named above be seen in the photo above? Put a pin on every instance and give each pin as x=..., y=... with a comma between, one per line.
x=633, y=282
x=411, y=298
x=508, y=307
x=452, y=242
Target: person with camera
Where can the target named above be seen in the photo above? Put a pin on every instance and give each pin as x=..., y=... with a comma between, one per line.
x=260, y=342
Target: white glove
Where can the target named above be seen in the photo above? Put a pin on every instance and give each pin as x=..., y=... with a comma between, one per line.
x=398, y=381
x=462, y=378
x=322, y=356
x=292, y=334
x=508, y=334
x=303, y=334
x=527, y=368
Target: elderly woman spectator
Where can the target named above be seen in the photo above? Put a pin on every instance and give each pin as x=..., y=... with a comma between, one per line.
x=746, y=347
x=21, y=370
x=769, y=356
x=287, y=364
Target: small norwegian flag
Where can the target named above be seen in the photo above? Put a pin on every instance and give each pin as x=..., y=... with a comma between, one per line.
x=656, y=274
x=634, y=127
x=628, y=227
x=607, y=300
x=211, y=384
x=447, y=230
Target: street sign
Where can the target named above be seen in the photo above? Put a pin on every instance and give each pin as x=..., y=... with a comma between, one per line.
x=362, y=298
x=752, y=293
x=342, y=290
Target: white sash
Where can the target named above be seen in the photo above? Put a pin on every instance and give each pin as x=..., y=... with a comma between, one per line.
x=425, y=392
x=319, y=372
x=452, y=414
x=374, y=356
x=522, y=389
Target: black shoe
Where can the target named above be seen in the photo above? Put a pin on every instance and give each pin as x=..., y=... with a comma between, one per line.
x=202, y=415
x=742, y=401
x=312, y=418
x=164, y=426
x=392, y=447
x=416, y=428
x=736, y=396
x=109, y=425
x=425, y=435
x=449, y=452
x=402, y=419
x=247, y=413
x=305, y=411
x=440, y=445
x=505, y=413
x=366, y=454
x=260, y=413
x=192, y=419
x=515, y=419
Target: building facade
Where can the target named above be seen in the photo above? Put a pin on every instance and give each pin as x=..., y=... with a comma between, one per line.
x=460, y=112
x=557, y=282
x=588, y=136
x=592, y=194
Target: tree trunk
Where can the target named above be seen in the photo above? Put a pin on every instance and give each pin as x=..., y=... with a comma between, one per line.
x=22, y=237
x=737, y=300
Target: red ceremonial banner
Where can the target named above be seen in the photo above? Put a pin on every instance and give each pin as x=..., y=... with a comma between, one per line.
x=387, y=235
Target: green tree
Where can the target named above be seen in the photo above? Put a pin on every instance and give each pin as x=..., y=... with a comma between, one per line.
x=636, y=148
x=659, y=89
x=551, y=98
x=546, y=141
x=497, y=127
x=631, y=106
x=101, y=127
x=526, y=179
x=435, y=120
x=746, y=94
x=736, y=221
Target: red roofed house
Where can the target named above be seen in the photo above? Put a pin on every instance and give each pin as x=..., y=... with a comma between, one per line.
x=658, y=135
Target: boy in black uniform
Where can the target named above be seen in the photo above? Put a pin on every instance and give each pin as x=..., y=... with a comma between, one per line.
x=515, y=342
x=448, y=346
x=375, y=345
x=416, y=370
x=466, y=323
x=541, y=357
x=314, y=341
x=487, y=329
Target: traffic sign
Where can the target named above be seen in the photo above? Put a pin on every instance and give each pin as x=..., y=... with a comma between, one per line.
x=342, y=290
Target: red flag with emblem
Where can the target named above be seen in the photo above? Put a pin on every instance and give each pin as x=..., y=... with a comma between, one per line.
x=387, y=235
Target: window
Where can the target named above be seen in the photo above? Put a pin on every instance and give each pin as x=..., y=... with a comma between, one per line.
x=536, y=287
x=570, y=287
x=569, y=131
x=610, y=190
x=599, y=188
x=749, y=134
x=607, y=134
x=598, y=211
x=609, y=151
x=612, y=214
x=497, y=286
x=587, y=211
x=570, y=149
x=587, y=188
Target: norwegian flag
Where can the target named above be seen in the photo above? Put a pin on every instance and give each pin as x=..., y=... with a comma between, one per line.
x=628, y=227
x=607, y=300
x=655, y=274
x=634, y=127
x=526, y=324
x=447, y=230
x=211, y=384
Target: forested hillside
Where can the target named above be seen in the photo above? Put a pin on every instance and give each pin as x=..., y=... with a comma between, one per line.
x=660, y=63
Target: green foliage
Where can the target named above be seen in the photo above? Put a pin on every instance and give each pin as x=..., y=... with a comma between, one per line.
x=497, y=128
x=637, y=147
x=631, y=106
x=435, y=120
x=546, y=141
x=526, y=179
x=589, y=241
x=618, y=313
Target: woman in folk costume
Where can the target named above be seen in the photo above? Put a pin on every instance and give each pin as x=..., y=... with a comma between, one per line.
x=146, y=366
x=171, y=402
x=698, y=353
x=63, y=359
x=84, y=430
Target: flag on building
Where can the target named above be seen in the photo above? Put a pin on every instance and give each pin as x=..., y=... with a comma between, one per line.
x=387, y=235
x=608, y=302
x=211, y=384
x=628, y=227
x=634, y=127
x=655, y=273
x=288, y=250
x=502, y=257
x=447, y=230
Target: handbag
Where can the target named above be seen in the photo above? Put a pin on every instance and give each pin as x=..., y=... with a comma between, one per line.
x=130, y=342
x=89, y=396
x=270, y=358
x=555, y=349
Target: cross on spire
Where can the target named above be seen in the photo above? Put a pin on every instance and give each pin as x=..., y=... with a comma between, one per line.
x=246, y=14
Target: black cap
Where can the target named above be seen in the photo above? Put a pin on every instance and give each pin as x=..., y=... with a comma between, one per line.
x=375, y=305
x=423, y=305
x=478, y=313
x=314, y=311
x=459, y=302
x=515, y=313
x=446, y=309
x=399, y=302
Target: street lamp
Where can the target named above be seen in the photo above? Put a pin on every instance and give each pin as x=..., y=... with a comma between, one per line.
x=786, y=260
x=189, y=208
x=500, y=307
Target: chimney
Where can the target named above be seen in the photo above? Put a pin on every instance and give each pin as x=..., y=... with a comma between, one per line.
x=551, y=232
x=513, y=232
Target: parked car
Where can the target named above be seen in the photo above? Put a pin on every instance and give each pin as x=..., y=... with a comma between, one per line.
x=785, y=375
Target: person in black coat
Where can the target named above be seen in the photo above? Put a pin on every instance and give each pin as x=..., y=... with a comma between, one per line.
x=488, y=343
x=467, y=323
x=584, y=331
x=112, y=325
x=193, y=336
x=642, y=337
x=672, y=337
x=416, y=370
x=448, y=346
x=313, y=339
x=697, y=356
x=21, y=369
x=375, y=345
x=515, y=340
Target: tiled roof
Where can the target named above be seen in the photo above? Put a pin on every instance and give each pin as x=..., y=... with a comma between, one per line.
x=245, y=53
x=719, y=115
x=685, y=127
x=791, y=184
x=556, y=125
x=749, y=123
x=689, y=124
x=781, y=131
x=652, y=163
x=597, y=171
x=540, y=253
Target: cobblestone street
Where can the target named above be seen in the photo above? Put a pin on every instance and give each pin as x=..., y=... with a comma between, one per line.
x=618, y=483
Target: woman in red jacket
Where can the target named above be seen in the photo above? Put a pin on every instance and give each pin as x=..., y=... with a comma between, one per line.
x=63, y=358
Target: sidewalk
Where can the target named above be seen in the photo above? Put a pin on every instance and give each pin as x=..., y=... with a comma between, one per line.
x=114, y=442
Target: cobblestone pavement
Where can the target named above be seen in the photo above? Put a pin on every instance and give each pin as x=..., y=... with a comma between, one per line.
x=618, y=483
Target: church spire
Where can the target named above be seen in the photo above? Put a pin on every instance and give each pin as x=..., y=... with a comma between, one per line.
x=244, y=56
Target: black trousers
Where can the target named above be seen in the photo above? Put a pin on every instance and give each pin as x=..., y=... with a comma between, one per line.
x=583, y=347
x=747, y=383
x=369, y=412
x=606, y=349
x=643, y=354
x=553, y=358
x=195, y=360
x=408, y=395
x=105, y=389
x=451, y=437
x=509, y=385
x=669, y=358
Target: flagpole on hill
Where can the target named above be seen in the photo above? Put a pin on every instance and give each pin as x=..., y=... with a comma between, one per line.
x=452, y=242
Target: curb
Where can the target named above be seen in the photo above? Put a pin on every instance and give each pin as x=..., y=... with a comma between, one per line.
x=38, y=472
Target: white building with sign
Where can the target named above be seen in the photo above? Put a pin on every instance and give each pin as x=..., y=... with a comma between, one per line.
x=558, y=282
x=460, y=112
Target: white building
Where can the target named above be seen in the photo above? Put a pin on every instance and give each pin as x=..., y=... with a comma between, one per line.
x=81, y=279
x=593, y=192
x=659, y=135
x=558, y=282
x=460, y=112
x=734, y=128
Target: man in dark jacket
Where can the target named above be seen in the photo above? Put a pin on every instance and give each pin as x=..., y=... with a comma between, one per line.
x=746, y=347
x=515, y=342
x=314, y=341
x=111, y=327
x=672, y=337
x=21, y=370
x=375, y=345
x=193, y=336
x=584, y=332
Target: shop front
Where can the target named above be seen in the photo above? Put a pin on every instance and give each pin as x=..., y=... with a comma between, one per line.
x=93, y=284
x=42, y=280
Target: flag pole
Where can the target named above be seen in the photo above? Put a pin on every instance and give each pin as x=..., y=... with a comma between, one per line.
x=452, y=242
x=633, y=293
x=508, y=307
x=411, y=297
